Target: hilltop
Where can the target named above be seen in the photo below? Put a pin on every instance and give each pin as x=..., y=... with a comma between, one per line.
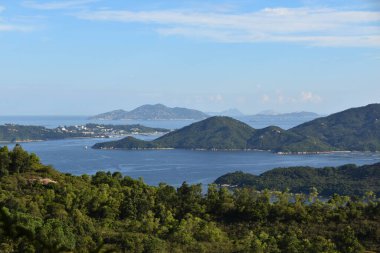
x=153, y=112
x=356, y=129
x=212, y=133
x=112, y=115
x=352, y=129
x=346, y=180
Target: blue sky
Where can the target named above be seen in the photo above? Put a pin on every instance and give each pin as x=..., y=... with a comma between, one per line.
x=82, y=57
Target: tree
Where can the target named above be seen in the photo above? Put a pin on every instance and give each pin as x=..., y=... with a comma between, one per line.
x=347, y=241
x=5, y=161
x=56, y=236
x=19, y=160
x=190, y=200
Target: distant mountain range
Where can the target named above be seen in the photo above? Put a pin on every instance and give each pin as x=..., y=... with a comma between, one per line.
x=356, y=129
x=162, y=112
x=291, y=114
x=153, y=112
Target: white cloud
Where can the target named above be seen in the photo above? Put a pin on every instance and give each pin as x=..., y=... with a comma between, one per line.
x=217, y=98
x=279, y=97
x=307, y=96
x=57, y=5
x=6, y=26
x=319, y=27
x=265, y=98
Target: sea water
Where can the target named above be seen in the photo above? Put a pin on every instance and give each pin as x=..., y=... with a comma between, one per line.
x=75, y=156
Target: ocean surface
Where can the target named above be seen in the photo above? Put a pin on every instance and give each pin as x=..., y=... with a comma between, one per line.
x=56, y=121
x=256, y=121
x=75, y=156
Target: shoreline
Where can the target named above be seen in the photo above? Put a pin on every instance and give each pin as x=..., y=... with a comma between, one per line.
x=318, y=152
x=83, y=137
x=241, y=150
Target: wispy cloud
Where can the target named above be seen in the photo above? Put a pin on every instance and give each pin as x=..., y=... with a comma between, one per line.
x=265, y=98
x=216, y=98
x=312, y=26
x=6, y=26
x=307, y=96
x=10, y=28
x=280, y=98
x=58, y=5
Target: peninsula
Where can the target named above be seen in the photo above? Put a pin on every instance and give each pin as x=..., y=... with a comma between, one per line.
x=21, y=133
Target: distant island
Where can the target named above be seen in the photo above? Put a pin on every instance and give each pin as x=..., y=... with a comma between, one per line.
x=153, y=112
x=232, y=112
x=356, y=129
x=345, y=180
x=285, y=115
x=21, y=133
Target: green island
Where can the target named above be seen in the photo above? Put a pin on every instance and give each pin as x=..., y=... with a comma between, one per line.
x=43, y=210
x=356, y=129
x=348, y=179
x=21, y=133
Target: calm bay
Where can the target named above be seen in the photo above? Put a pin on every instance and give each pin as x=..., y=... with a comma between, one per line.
x=75, y=156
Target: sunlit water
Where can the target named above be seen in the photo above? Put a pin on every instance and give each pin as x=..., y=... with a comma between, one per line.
x=172, y=166
x=176, y=166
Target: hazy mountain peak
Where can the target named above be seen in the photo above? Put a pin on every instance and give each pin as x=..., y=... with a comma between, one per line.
x=154, y=112
x=232, y=112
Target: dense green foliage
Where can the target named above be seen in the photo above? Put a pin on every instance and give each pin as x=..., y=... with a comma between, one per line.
x=345, y=180
x=356, y=129
x=12, y=133
x=42, y=210
x=26, y=133
x=353, y=129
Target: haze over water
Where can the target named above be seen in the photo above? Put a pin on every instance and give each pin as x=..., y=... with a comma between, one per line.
x=256, y=121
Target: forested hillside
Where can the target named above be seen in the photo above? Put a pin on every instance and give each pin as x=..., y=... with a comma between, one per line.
x=347, y=179
x=42, y=210
x=356, y=129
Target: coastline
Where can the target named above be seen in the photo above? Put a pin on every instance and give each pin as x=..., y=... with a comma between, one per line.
x=83, y=137
x=316, y=152
x=241, y=150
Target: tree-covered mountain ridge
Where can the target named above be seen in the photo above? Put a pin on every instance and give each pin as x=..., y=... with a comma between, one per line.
x=347, y=179
x=355, y=129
